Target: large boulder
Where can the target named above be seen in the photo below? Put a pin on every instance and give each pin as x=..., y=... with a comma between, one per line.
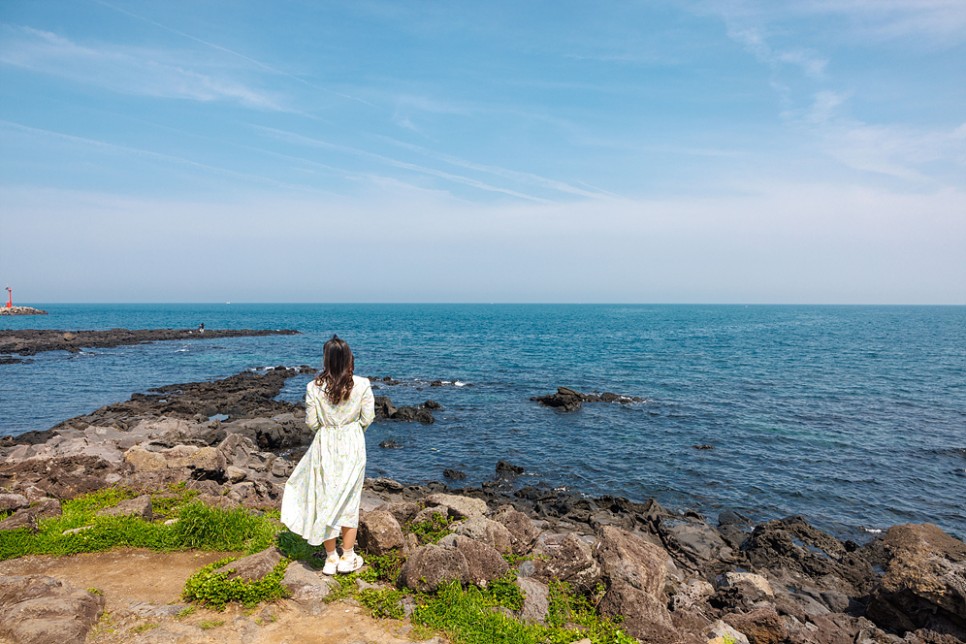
x=695, y=544
x=29, y=516
x=36, y=609
x=460, y=507
x=924, y=585
x=139, y=507
x=536, y=600
x=793, y=546
x=564, y=557
x=521, y=527
x=253, y=567
x=635, y=571
x=483, y=563
x=307, y=587
x=487, y=531
x=379, y=532
x=403, y=511
x=429, y=566
x=12, y=502
x=760, y=626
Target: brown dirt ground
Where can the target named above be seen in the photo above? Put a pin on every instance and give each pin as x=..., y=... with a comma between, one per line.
x=142, y=592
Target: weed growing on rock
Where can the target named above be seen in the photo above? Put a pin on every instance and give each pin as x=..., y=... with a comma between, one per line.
x=216, y=590
x=432, y=529
x=504, y=592
x=383, y=603
x=382, y=568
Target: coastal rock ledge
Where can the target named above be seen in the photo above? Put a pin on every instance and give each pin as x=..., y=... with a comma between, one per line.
x=22, y=310
x=669, y=577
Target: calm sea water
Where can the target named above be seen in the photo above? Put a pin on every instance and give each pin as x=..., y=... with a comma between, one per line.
x=854, y=417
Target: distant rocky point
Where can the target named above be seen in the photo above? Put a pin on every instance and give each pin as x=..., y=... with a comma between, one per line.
x=21, y=310
x=28, y=342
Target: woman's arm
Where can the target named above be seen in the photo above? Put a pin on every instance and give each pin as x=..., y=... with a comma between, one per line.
x=312, y=408
x=368, y=413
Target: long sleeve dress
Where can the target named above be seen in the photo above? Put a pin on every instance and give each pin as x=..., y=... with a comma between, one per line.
x=325, y=489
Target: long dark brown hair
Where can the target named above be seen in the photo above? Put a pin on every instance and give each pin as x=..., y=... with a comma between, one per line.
x=337, y=367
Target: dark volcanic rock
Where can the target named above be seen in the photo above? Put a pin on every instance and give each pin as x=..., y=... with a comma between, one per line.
x=379, y=532
x=31, y=341
x=564, y=556
x=389, y=444
x=635, y=572
x=793, y=545
x=567, y=399
x=248, y=394
x=386, y=410
x=506, y=469
x=924, y=585
x=454, y=475
x=431, y=565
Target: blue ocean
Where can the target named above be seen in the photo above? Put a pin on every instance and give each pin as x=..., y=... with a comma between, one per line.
x=852, y=416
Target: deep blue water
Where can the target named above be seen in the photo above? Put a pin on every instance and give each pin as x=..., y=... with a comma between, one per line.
x=854, y=417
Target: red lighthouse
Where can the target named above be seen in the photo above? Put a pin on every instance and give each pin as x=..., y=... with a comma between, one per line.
x=9, y=298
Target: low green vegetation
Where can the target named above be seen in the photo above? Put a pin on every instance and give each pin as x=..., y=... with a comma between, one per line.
x=198, y=526
x=472, y=616
x=214, y=589
x=469, y=615
x=383, y=602
x=432, y=529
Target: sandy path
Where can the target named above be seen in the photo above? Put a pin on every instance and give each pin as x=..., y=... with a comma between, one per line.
x=142, y=592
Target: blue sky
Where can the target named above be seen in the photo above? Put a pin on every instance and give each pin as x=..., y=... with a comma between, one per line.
x=695, y=151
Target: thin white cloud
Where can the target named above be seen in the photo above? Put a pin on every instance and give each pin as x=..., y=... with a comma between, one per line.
x=125, y=70
x=929, y=22
x=505, y=173
x=899, y=151
x=752, y=39
x=299, y=139
x=257, y=63
x=168, y=159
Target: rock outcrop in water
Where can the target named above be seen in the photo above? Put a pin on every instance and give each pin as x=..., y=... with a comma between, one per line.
x=670, y=576
x=27, y=342
x=566, y=399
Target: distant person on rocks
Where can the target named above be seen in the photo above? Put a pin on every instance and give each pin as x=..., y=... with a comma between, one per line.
x=321, y=498
x=201, y=328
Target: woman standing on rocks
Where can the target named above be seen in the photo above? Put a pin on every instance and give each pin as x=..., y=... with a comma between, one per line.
x=322, y=496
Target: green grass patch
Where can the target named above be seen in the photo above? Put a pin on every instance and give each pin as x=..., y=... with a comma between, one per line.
x=296, y=548
x=432, y=529
x=382, y=568
x=199, y=527
x=383, y=603
x=470, y=616
x=504, y=592
x=215, y=590
x=205, y=528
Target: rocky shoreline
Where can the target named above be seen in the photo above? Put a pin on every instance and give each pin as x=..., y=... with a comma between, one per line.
x=671, y=577
x=28, y=342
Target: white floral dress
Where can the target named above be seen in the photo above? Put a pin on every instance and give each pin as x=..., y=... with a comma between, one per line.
x=325, y=489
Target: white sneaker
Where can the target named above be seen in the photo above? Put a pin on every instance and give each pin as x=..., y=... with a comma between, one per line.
x=331, y=564
x=350, y=563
